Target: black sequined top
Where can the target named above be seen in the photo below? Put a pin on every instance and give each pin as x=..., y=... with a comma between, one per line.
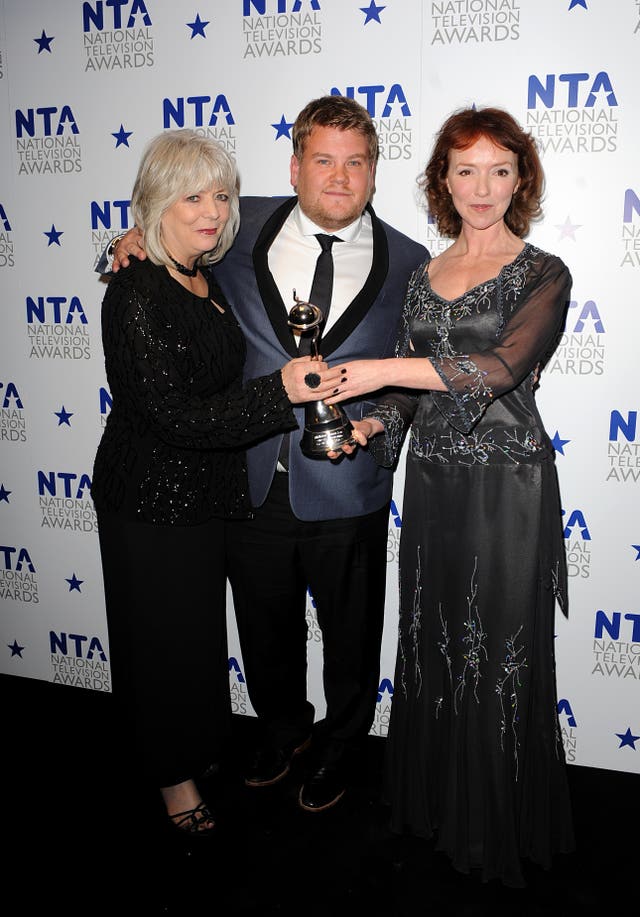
x=171, y=451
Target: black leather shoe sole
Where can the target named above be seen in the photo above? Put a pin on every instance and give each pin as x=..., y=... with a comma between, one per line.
x=281, y=766
x=320, y=802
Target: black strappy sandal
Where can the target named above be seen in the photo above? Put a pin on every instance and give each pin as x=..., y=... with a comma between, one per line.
x=193, y=822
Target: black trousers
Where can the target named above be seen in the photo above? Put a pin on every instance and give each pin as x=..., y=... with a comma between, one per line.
x=165, y=599
x=272, y=560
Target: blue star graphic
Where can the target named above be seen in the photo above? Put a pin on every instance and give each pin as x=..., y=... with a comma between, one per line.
x=627, y=738
x=372, y=12
x=4, y=494
x=122, y=137
x=16, y=649
x=53, y=235
x=197, y=27
x=283, y=128
x=582, y=3
x=75, y=583
x=636, y=547
x=44, y=42
x=63, y=416
x=559, y=444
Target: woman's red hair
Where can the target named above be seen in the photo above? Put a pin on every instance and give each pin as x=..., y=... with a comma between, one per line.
x=459, y=132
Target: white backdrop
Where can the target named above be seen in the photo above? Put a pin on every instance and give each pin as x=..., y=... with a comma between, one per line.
x=83, y=87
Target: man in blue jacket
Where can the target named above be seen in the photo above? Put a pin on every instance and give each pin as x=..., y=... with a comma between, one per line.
x=317, y=525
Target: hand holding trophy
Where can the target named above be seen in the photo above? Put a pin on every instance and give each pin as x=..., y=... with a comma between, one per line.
x=326, y=426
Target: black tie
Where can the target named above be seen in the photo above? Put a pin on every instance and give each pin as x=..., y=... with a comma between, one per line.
x=321, y=287
x=320, y=296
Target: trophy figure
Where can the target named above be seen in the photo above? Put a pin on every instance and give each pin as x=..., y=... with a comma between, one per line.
x=326, y=426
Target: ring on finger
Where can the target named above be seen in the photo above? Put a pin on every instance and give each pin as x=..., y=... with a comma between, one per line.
x=312, y=380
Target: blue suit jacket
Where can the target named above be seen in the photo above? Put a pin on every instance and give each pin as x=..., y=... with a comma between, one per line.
x=318, y=488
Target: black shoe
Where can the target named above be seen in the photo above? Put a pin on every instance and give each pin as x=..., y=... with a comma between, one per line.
x=271, y=764
x=212, y=772
x=322, y=789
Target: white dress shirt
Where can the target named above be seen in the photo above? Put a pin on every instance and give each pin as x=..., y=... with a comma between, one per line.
x=294, y=252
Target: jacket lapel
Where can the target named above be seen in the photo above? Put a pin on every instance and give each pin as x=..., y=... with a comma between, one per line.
x=358, y=308
x=274, y=305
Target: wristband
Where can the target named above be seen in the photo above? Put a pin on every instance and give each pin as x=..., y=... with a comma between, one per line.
x=113, y=245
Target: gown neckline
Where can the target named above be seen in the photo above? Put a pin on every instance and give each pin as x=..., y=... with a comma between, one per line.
x=477, y=286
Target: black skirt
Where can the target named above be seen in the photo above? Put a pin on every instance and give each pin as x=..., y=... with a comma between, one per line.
x=475, y=750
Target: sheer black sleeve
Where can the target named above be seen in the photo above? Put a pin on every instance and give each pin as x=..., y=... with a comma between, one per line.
x=533, y=316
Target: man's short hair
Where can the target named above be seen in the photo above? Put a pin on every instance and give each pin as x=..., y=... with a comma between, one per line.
x=335, y=111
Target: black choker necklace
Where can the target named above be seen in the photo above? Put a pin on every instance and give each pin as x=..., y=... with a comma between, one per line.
x=187, y=271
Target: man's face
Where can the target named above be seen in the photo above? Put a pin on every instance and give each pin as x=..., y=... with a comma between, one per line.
x=334, y=177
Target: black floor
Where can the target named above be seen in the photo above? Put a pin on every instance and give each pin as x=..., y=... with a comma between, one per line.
x=73, y=843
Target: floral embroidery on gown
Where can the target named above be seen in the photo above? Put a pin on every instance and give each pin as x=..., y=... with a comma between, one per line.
x=475, y=754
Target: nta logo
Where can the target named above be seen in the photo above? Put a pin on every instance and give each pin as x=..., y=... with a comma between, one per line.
x=631, y=205
x=50, y=119
x=5, y=219
x=120, y=16
x=205, y=109
x=576, y=519
x=612, y=625
x=262, y=7
x=55, y=309
x=21, y=562
x=59, y=643
x=575, y=93
x=618, y=424
x=11, y=397
x=101, y=213
x=73, y=486
x=378, y=97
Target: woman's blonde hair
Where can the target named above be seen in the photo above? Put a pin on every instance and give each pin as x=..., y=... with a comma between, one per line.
x=175, y=164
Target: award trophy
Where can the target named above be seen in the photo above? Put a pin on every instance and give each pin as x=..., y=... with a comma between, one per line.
x=326, y=426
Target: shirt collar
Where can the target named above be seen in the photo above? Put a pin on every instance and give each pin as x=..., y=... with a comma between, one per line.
x=307, y=227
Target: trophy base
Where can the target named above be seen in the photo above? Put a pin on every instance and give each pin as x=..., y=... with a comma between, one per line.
x=320, y=438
